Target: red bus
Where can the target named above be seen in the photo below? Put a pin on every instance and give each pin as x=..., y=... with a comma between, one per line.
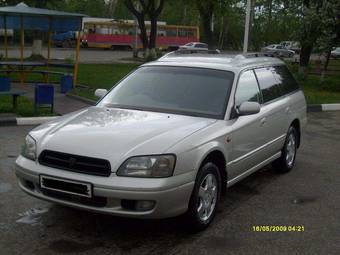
x=114, y=34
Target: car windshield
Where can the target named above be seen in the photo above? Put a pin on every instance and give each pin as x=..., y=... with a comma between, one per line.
x=179, y=90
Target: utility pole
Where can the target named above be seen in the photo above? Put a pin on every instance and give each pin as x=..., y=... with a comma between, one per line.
x=246, y=28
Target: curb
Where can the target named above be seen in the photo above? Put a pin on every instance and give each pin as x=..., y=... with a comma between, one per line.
x=323, y=107
x=28, y=121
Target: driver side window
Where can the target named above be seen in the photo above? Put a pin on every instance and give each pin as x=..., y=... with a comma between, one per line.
x=247, y=89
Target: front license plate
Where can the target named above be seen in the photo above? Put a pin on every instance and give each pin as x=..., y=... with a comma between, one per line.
x=66, y=186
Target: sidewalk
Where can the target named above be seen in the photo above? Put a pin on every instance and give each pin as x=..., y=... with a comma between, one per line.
x=62, y=103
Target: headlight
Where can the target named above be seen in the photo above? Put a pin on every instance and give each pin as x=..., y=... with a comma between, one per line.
x=29, y=148
x=148, y=166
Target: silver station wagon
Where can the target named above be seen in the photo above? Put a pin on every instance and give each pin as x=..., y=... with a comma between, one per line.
x=169, y=138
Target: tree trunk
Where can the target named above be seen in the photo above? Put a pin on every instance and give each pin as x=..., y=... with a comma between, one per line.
x=306, y=51
x=153, y=32
x=221, y=34
x=328, y=56
x=323, y=73
x=269, y=24
x=143, y=35
x=206, y=24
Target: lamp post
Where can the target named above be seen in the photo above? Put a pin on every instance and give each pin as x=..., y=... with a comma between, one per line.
x=246, y=28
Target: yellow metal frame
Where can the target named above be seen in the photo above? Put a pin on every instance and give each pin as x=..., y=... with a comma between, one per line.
x=5, y=38
x=22, y=45
x=75, y=73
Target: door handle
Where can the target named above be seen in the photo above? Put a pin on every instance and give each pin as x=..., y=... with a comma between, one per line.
x=263, y=121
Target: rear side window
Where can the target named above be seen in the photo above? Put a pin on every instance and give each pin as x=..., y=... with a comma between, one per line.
x=285, y=79
x=270, y=87
x=247, y=89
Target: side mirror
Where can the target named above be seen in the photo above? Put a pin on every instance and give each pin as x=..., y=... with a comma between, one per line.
x=100, y=93
x=248, y=108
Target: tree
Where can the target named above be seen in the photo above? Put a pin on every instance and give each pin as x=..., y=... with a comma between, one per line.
x=94, y=8
x=311, y=26
x=330, y=35
x=206, y=10
x=142, y=9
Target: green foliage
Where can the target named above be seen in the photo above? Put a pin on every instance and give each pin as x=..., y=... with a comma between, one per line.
x=25, y=107
x=95, y=8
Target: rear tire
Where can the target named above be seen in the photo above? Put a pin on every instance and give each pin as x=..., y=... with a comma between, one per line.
x=204, y=198
x=288, y=154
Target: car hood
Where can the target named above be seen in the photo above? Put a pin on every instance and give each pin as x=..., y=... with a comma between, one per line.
x=116, y=134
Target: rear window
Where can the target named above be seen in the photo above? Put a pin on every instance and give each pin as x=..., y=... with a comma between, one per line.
x=270, y=87
x=285, y=79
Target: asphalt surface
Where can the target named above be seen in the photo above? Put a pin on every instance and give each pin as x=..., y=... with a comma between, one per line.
x=309, y=196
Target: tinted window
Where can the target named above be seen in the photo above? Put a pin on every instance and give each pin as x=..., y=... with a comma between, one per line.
x=285, y=79
x=247, y=89
x=269, y=85
x=190, y=91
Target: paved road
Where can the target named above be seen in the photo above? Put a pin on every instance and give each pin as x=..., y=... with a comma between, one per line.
x=308, y=196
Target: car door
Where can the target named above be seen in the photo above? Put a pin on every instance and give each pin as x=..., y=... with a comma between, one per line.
x=248, y=133
x=274, y=110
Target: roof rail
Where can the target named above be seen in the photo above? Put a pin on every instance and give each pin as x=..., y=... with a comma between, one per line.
x=187, y=51
x=257, y=55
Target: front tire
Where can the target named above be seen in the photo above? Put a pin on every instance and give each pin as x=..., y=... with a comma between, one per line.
x=287, y=160
x=205, y=197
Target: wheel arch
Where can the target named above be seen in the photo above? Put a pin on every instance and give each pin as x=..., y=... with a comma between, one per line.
x=217, y=157
x=296, y=124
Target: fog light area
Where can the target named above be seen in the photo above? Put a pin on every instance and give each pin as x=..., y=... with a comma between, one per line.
x=138, y=205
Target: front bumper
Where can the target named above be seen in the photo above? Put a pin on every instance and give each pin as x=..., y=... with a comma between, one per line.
x=171, y=195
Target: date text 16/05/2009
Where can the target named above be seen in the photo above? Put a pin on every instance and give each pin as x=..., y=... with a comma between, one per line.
x=273, y=228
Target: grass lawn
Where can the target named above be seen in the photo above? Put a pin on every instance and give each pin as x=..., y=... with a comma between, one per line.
x=317, y=93
x=25, y=107
x=100, y=76
x=106, y=75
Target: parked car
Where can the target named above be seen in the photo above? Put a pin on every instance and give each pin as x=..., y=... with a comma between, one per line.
x=278, y=50
x=65, y=40
x=169, y=138
x=194, y=46
x=292, y=45
x=335, y=53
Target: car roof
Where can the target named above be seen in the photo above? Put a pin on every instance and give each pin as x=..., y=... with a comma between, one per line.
x=216, y=61
x=197, y=43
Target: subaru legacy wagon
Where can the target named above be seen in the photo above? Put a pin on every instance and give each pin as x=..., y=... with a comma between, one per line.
x=169, y=138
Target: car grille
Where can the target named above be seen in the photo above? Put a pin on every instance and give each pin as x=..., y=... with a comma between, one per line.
x=75, y=163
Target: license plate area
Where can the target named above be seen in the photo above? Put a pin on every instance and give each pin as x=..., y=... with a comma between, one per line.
x=66, y=186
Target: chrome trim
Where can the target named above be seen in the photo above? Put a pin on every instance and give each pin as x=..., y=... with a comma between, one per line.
x=256, y=150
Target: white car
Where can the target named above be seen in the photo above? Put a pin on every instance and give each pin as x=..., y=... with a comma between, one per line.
x=335, y=53
x=291, y=45
x=277, y=50
x=169, y=138
x=198, y=46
